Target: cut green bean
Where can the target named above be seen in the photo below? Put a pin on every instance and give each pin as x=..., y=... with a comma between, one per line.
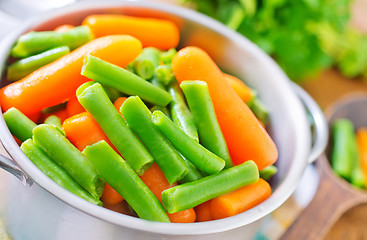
x=202, y=109
x=164, y=74
x=260, y=110
x=166, y=57
x=341, y=159
x=124, y=81
x=19, y=124
x=53, y=120
x=36, y=42
x=125, y=181
x=26, y=66
x=180, y=113
x=192, y=174
x=96, y=102
x=138, y=118
x=268, y=172
x=162, y=109
x=146, y=62
x=53, y=171
x=67, y=156
x=189, y=195
x=202, y=158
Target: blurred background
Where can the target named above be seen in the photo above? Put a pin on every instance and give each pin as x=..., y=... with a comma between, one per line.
x=320, y=44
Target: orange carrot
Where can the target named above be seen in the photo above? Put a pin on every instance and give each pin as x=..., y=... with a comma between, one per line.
x=246, y=138
x=119, y=101
x=362, y=148
x=203, y=213
x=56, y=82
x=35, y=117
x=82, y=130
x=240, y=200
x=73, y=107
x=110, y=196
x=148, y=30
x=121, y=207
x=239, y=87
x=157, y=183
x=64, y=28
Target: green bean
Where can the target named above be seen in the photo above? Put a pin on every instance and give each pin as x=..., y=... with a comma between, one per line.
x=145, y=64
x=260, y=110
x=166, y=57
x=181, y=114
x=268, y=172
x=124, y=81
x=138, y=118
x=205, y=160
x=53, y=171
x=341, y=159
x=192, y=174
x=191, y=194
x=164, y=74
x=67, y=156
x=19, y=124
x=162, y=109
x=26, y=66
x=96, y=102
x=36, y=42
x=202, y=109
x=53, y=120
x=125, y=181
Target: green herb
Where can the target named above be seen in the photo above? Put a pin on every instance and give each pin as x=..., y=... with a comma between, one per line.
x=304, y=36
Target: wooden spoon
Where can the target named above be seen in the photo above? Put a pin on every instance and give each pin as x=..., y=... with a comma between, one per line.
x=334, y=195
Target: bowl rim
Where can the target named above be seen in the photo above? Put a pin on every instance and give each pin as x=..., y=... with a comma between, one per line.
x=283, y=191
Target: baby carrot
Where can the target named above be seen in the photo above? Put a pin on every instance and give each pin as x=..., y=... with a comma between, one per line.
x=240, y=200
x=203, y=213
x=205, y=160
x=148, y=30
x=118, y=103
x=138, y=118
x=96, y=102
x=73, y=107
x=201, y=107
x=82, y=130
x=246, y=138
x=124, y=81
x=56, y=82
x=362, y=148
x=125, y=181
x=19, y=125
x=156, y=181
x=241, y=89
x=191, y=194
x=64, y=153
x=53, y=171
x=110, y=196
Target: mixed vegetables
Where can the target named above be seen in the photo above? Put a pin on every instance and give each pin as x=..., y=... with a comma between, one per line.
x=113, y=113
x=349, y=152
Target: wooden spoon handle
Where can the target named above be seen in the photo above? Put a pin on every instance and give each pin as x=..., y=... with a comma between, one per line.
x=333, y=197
